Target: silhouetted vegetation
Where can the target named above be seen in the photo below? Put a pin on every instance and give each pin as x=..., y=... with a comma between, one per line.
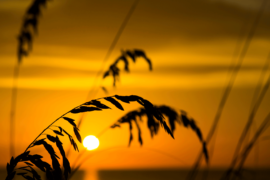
x=25, y=45
x=156, y=116
x=114, y=69
x=238, y=156
x=153, y=126
x=54, y=171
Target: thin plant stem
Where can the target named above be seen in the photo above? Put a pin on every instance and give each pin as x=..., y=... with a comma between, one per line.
x=115, y=40
x=262, y=128
x=49, y=127
x=256, y=152
x=257, y=90
x=55, y=121
x=79, y=157
x=248, y=125
x=98, y=136
x=256, y=105
x=13, y=108
x=260, y=82
x=229, y=87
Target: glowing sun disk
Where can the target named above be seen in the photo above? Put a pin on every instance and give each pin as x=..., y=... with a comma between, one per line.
x=90, y=142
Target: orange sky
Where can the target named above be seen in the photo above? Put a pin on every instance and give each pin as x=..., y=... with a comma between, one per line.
x=191, y=45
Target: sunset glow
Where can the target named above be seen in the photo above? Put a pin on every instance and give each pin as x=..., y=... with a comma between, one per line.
x=91, y=142
x=203, y=65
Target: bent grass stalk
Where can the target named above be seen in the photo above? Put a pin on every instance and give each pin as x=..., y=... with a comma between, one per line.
x=25, y=39
x=249, y=123
x=50, y=126
x=55, y=171
x=265, y=124
x=166, y=111
x=227, y=91
x=115, y=40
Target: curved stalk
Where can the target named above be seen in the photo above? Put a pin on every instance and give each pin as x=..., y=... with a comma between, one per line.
x=13, y=109
x=228, y=88
x=49, y=127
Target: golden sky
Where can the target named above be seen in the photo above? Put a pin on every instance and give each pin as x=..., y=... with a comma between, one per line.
x=191, y=45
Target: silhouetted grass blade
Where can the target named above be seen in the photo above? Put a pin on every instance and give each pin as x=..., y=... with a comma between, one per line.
x=131, y=55
x=74, y=144
x=58, y=132
x=107, y=73
x=77, y=134
x=21, y=157
x=47, y=146
x=114, y=102
x=105, y=90
x=49, y=174
x=114, y=70
x=26, y=176
x=71, y=121
x=154, y=119
x=31, y=22
x=61, y=130
x=84, y=109
x=11, y=165
x=139, y=132
x=38, y=142
x=184, y=119
x=140, y=139
x=205, y=152
x=155, y=112
x=125, y=62
x=8, y=168
x=42, y=165
x=34, y=10
x=130, y=139
x=55, y=163
x=51, y=138
x=127, y=99
x=192, y=124
x=67, y=132
x=39, y=163
x=71, y=140
x=170, y=113
x=21, y=52
x=66, y=164
x=11, y=175
x=141, y=53
x=167, y=129
x=159, y=111
x=199, y=134
x=153, y=126
x=27, y=38
x=130, y=133
x=35, y=174
x=25, y=168
x=115, y=125
x=35, y=156
x=29, y=164
x=150, y=108
x=98, y=104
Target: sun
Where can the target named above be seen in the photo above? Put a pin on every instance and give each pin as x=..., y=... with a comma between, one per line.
x=91, y=142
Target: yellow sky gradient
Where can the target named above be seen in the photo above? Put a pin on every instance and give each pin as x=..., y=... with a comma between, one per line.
x=191, y=45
